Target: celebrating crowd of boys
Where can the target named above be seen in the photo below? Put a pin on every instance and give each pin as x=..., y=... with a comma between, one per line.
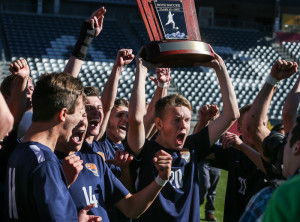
x=69, y=155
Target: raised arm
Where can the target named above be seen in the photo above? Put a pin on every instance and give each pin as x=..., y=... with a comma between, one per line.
x=207, y=113
x=289, y=111
x=133, y=205
x=256, y=118
x=17, y=99
x=162, y=83
x=7, y=119
x=230, y=107
x=231, y=139
x=136, y=131
x=90, y=29
x=124, y=57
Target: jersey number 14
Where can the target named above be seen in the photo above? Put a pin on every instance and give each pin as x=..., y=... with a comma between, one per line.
x=90, y=198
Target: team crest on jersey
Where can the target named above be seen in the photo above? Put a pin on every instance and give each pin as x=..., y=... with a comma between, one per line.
x=102, y=155
x=92, y=167
x=185, y=154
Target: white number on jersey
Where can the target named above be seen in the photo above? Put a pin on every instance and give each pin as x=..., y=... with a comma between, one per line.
x=176, y=178
x=243, y=187
x=90, y=198
x=13, y=213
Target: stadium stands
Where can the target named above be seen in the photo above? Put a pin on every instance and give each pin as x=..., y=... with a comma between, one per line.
x=248, y=57
x=293, y=49
x=54, y=37
x=121, y=2
x=48, y=41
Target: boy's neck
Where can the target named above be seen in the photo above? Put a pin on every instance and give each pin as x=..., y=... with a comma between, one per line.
x=44, y=133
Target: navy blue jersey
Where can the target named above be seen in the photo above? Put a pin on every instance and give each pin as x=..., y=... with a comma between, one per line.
x=9, y=144
x=94, y=146
x=179, y=199
x=107, y=150
x=244, y=180
x=95, y=184
x=36, y=186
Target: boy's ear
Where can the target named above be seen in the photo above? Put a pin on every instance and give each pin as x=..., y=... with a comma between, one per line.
x=296, y=148
x=63, y=114
x=6, y=98
x=239, y=128
x=158, y=123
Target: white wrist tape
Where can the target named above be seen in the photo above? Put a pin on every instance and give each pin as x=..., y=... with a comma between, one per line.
x=272, y=81
x=162, y=85
x=160, y=181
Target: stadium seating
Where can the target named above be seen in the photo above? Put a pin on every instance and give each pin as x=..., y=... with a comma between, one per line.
x=293, y=49
x=48, y=41
x=248, y=58
x=92, y=74
x=54, y=37
x=121, y=2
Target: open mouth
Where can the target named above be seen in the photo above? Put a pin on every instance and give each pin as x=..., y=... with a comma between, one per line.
x=123, y=127
x=94, y=123
x=78, y=136
x=180, y=138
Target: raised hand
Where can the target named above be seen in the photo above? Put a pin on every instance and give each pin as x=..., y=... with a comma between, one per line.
x=162, y=76
x=124, y=57
x=122, y=159
x=231, y=139
x=208, y=112
x=217, y=63
x=84, y=217
x=140, y=61
x=72, y=166
x=19, y=68
x=163, y=163
x=96, y=20
x=283, y=69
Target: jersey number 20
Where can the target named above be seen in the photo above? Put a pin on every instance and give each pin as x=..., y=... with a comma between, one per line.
x=176, y=178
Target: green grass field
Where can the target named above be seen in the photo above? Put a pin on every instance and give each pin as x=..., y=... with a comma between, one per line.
x=220, y=198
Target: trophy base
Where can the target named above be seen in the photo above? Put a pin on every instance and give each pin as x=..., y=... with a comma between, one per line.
x=178, y=53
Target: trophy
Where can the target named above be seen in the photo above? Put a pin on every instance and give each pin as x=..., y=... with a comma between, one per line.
x=174, y=33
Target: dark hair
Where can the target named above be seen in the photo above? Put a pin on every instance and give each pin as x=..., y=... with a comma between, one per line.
x=243, y=110
x=121, y=102
x=171, y=100
x=273, y=147
x=54, y=92
x=272, y=144
x=295, y=132
x=7, y=83
x=91, y=91
x=277, y=127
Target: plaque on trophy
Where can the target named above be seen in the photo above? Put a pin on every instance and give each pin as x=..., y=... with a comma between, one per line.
x=168, y=12
x=174, y=34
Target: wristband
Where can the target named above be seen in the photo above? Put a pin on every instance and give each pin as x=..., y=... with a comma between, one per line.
x=162, y=85
x=160, y=181
x=272, y=81
x=86, y=37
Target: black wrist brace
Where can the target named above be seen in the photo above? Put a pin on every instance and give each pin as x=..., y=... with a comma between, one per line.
x=86, y=37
